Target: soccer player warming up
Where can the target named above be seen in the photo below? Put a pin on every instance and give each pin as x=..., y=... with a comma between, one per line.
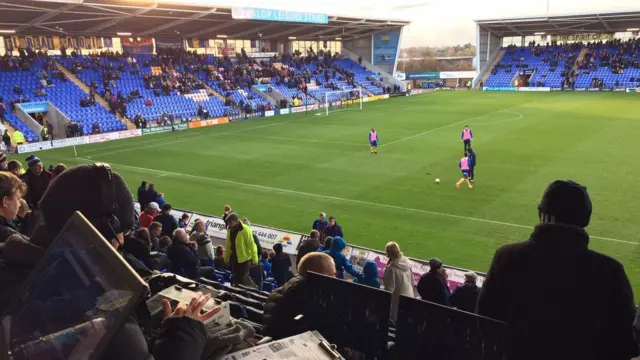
x=373, y=141
x=465, y=165
x=466, y=137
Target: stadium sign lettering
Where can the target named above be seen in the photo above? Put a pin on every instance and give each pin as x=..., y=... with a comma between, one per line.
x=34, y=107
x=91, y=139
x=581, y=89
x=269, y=113
x=283, y=112
x=500, y=88
x=586, y=37
x=245, y=13
x=159, y=129
x=593, y=89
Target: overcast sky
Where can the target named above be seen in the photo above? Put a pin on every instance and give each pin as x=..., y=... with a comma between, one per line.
x=436, y=22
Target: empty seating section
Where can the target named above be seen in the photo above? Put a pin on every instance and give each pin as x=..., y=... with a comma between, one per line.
x=180, y=105
x=361, y=74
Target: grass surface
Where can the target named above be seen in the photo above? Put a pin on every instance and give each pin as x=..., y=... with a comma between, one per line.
x=282, y=171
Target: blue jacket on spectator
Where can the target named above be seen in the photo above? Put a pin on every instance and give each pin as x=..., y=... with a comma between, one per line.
x=369, y=275
x=342, y=263
x=267, y=267
x=320, y=225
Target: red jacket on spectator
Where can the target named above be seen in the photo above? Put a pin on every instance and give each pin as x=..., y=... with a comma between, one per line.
x=146, y=219
x=148, y=102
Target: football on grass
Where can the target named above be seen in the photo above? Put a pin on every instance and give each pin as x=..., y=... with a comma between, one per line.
x=437, y=180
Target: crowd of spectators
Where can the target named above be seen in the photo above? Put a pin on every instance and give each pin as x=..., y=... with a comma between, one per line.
x=544, y=317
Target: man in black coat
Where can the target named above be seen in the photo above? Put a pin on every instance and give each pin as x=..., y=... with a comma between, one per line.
x=289, y=301
x=465, y=297
x=312, y=244
x=169, y=223
x=142, y=196
x=560, y=299
x=433, y=286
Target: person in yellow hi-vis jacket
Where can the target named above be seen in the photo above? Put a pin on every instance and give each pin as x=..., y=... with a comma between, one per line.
x=18, y=137
x=240, y=252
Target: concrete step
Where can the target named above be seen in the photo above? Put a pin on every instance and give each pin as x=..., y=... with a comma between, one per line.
x=495, y=62
x=102, y=102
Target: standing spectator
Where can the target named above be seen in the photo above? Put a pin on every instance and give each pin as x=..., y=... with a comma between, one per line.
x=6, y=139
x=398, y=277
x=369, y=275
x=227, y=211
x=320, y=224
x=240, y=250
x=18, y=137
x=3, y=162
x=281, y=265
x=11, y=191
x=333, y=229
x=312, y=244
x=292, y=299
x=342, y=263
x=155, y=230
x=152, y=194
x=184, y=259
x=432, y=285
x=219, y=260
x=37, y=180
x=169, y=223
x=587, y=314
x=142, y=190
x=465, y=297
x=150, y=212
x=206, y=253
x=3, y=109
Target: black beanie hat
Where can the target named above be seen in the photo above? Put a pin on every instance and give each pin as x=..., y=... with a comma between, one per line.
x=568, y=202
x=80, y=188
x=232, y=217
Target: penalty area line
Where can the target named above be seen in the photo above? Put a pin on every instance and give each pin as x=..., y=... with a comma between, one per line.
x=346, y=200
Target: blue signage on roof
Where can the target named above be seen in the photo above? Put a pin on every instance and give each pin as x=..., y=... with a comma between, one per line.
x=35, y=107
x=278, y=15
x=385, y=47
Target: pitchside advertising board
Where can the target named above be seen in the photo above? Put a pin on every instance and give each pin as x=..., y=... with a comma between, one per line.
x=291, y=240
x=81, y=140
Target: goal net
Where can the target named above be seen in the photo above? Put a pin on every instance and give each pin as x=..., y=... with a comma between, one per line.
x=341, y=100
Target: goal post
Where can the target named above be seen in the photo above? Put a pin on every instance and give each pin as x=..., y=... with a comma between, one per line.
x=341, y=100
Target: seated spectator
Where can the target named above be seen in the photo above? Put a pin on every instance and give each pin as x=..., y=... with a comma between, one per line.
x=146, y=218
x=184, y=260
x=169, y=223
x=25, y=221
x=433, y=286
x=17, y=90
x=266, y=264
x=369, y=275
x=155, y=229
x=182, y=222
x=342, y=262
x=219, y=259
x=148, y=101
x=11, y=192
x=163, y=244
x=587, y=315
x=14, y=167
x=465, y=297
x=139, y=246
x=40, y=92
x=182, y=334
x=312, y=244
x=59, y=169
x=326, y=244
x=333, y=229
x=398, y=277
x=281, y=265
x=206, y=253
x=287, y=302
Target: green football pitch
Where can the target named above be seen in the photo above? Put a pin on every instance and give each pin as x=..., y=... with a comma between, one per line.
x=282, y=171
